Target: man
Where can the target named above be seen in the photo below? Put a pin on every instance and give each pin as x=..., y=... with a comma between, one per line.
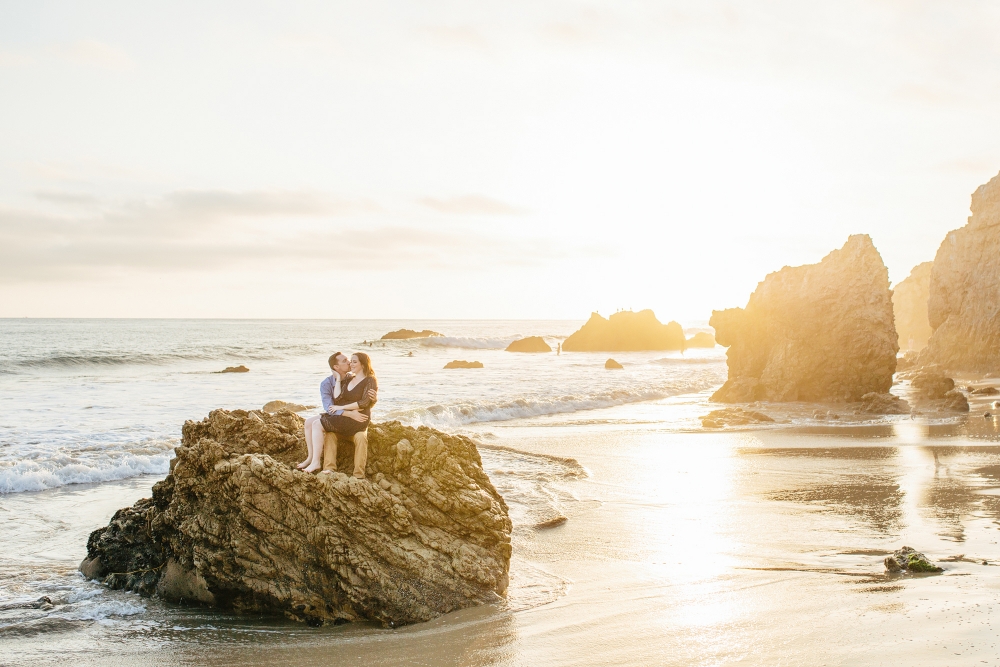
x=331, y=391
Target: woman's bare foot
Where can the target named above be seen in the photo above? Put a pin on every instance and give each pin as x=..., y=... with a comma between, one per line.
x=312, y=468
x=303, y=464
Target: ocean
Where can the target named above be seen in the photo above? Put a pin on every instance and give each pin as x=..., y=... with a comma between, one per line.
x=759, y=545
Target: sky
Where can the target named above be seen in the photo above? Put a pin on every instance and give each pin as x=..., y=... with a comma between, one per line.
x=507, y=159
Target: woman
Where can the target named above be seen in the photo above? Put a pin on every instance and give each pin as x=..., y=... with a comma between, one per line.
x=355, y=399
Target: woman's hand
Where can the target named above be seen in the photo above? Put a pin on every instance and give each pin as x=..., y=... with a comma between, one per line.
x=356, y=416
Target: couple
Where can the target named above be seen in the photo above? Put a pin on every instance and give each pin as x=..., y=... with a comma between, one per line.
x=348, y=396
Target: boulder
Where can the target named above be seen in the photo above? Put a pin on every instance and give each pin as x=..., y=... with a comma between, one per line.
x=820, y=332
x=612, y=365
x=234, y=369
x=236, y=526
x=407, y=334
x=464, y=364
x=274, y=406
x=909, y=305
x=985, y=391
x=937, y=391
x=530, y=344
x=700, y=339
x=625, y=331
x=884, y=404
x=733, y=417
x=962, y=304
x=909, y=560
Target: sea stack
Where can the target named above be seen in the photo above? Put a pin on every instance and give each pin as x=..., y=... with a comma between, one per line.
x=964, y=302
x=529, y=344
x=626, y=331
x=235, y=525
x=819, y=332
x=909, y=304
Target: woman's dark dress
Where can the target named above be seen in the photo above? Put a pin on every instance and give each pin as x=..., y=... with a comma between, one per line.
x=343, y=425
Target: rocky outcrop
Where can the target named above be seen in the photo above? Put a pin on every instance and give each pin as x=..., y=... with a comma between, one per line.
x=463, y=364
x=407, y=334
x=612, y=365
x=909, y=305
x=626, y=331
x=274, y=406
x=936, y=391
x=874, y=403
x=235, y=525
x=908, y=559
x=733, y=417
x=963, y=307
x=234, y=369
x=820, y=332
x=700, y=339
x=529, y=344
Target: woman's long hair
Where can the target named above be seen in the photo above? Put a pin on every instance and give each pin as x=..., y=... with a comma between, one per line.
x=366, y=364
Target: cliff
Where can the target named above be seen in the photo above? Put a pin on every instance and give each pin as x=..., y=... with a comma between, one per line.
x=626, y=331
x=819, y=332
x=909, y=304
x=964, y=303
x=235, y=525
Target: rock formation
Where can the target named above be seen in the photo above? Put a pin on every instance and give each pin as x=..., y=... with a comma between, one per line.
x=529, y=344
x=236, y=526
x=700, y=339
x=909, y=560
x=274, y=406
x=937, y=391
x=612, y=365
x=819, y=332
x=874, y=403
x=626, y=331
x=964, y=303
x=407, y=334
x=234, y=369
x=464, y=364
x=909, y=305
x=733, y=417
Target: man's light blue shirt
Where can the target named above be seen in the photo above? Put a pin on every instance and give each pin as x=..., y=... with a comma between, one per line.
x=326, y=388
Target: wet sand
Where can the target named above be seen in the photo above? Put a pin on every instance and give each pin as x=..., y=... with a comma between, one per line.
x=757, y=547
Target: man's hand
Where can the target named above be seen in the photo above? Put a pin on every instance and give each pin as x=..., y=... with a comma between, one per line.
x=331, y=409
x=356, y=416
x=372, y=394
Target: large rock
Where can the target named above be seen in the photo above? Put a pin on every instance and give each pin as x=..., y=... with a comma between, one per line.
x=529, y=344
x=463, y=364
x=408, y=334
x=700, y=339
x=236, y=526
x=626, y=331
x=820, y=332
x=909, y=305
x=964, y=303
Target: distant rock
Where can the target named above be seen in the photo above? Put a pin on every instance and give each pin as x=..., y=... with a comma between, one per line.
x=274, y=406
x=884, y=404
x=819, y=332
x=464, y=364
x=700, y=339
x=733, y=417
x=937, y=391
x=985, y=391
x=530, y=344
x=611, y=365
x=965, y=281
x=236, y=526
x=407, y=334
x=626, y=331
x=906, y=362
x=234, y=369
x=909, y=304
x=910, y=560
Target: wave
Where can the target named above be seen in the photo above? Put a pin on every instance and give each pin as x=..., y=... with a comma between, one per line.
x=470, y=343
x=471, y=412
x=39, y=472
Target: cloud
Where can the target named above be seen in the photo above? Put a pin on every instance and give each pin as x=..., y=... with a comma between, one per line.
x=93, y=53
x=471, y=205
x=14, y=59
x=460, y=36
x=216, y=229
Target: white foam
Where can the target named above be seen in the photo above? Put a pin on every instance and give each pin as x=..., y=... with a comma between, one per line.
x=470, y=343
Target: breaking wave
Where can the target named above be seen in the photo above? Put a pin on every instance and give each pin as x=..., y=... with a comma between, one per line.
x=470, y=343
x=471, y=412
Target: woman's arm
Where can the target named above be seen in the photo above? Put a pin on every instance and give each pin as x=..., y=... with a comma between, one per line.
x=371, y=396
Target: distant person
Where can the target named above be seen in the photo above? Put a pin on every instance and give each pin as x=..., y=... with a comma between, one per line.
x=359, y=394
x=330, y=391
x=558, y=349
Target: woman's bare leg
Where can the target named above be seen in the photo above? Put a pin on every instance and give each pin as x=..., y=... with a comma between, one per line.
x=309, y=441
x=318, y=437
